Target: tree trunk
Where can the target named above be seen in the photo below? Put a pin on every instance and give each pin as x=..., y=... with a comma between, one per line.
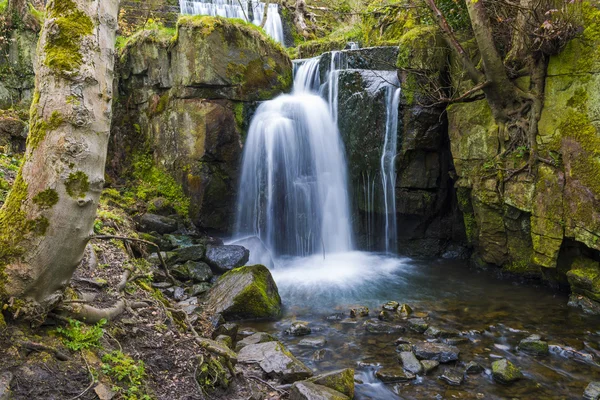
x=49, y=214
x=299, y=17
x=265, y=14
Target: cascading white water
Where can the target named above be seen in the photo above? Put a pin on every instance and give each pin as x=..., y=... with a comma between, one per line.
x=242, y=9
x=293, y=191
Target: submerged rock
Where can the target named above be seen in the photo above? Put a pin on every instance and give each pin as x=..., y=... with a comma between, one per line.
x=196, y=271
x=341, y=380
x=359, y=312
x=503, y=371
x=156, y=223
x=275, y=360
x=418, y=324
x=311, y=391
x=246, y=293
x=436, y=332
x=592, y=391
x=429, y=365
x=452, y=377
x=436, y=351
x=534, y=345
x=376, y=326
x=299, y=328
x=226, y=258
x=320, y=355
x=405, y=310
x=259, y=337
x=313, y=342
x=393, y=375
x=473, y=368
x=410, y=363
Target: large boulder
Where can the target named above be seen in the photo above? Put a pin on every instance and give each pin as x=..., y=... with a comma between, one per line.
x=226, y=258
x=275, y=360
x=341, y=381
x=156, y=223
x=436, y=351
x=246, y=293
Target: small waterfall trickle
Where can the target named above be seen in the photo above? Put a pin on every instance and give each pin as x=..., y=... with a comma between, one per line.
x=293, y=192
x=248, y=10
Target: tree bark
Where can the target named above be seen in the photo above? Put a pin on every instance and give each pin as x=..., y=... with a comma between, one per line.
x=265, y=14
x=299, y=17
x=48, y=217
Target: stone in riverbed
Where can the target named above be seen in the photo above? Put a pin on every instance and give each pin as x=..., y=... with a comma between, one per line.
x=453, y=341
x=503, y=371
x=376, y=326
x=310, y=391
x=299, y=328
x=393, y=375
x=429, y=365
x=226, y=258
x=534, y=345
x=185, y=254
x=246, y=293
x=276, y=361
x=404, y=347
x=418, y=324
x=256, y=338
x=410, y=363
x=193, y=270
x=452, y=377
x=436, y=332
x=156, y=223
x=592, y=391
x=359, y=312
x=436, y=351
x=341, y=380
x=313, y=342
x=391, y=306
x=473, y=368
x=320, y=355
x=405, y=310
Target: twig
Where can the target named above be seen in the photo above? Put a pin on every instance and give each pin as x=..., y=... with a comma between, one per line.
x=91, y=383
x=160, y=257
x=256, y=378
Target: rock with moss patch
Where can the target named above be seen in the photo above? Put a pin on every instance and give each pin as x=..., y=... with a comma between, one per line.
x=275, y=360
x=534, y=345
x=246, y=293
x=196, y=271
x=156, y=223
x=505, y=372
x=226, y=258
x=394, y=375
x=185, y=254
x=341, y=380
x=311, y=391
x=258, y=337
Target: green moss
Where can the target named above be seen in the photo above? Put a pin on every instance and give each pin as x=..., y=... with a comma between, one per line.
x=77, y=184
x=255, y=300
x=422, y=48
x=63, y=46
x=584, y=278
x=46, y=199
x=238, y=112
x=3, y=4
x=40, y=127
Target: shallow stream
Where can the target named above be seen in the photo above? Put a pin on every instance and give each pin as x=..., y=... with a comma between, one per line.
x=493, y=314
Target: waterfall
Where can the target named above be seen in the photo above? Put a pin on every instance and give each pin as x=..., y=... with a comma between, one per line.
x=293, y=191
x=248, y=10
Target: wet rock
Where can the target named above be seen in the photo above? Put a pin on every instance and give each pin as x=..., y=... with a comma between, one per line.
x=245, y=332
x=259, y=254
x=571, y=353
x=156, y=223
x=453, y=341
x=5, y=380
x=385, y=315
x=246, y=293
x=299, y=328
x=534, y=345
x=376, y=326
x=341, y=381
x=436, y=351
x=401, y=340
x=473, y=368
x=226, y=258
x=452, y=377
x=393, y=375
x=335, y=317
x=275, y=360
x=359, y=312
x=404, y=347
x=503, y=371
x=418, y=324
x=310, y=391
x=391, y=306
x=410, y=363
x=256, y=338
x=196, y=290
x=405, y=310
x=226, y=340
x=592, y=391
x=196, y=271
x=429, y=365
x=178, y=240
x=228, y=329
x=320, y=355
x=436, y=332
x=587, y=305
x=312, y=342
x=185, y=254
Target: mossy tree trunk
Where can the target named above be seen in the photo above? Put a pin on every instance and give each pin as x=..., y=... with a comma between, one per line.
x=48, y=217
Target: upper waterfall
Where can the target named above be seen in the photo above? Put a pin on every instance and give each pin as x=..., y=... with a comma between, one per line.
x=248, y=10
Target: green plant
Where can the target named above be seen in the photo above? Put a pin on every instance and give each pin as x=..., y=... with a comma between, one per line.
x=77, y=336
x=128, y=373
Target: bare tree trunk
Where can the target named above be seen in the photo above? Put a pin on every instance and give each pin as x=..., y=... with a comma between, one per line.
x=299, y=17
x=48, y=217
x=265, y=14
x=520, y=38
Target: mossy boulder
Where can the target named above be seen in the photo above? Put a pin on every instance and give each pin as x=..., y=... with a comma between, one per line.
x=423, y=48
x=276, y=361
x=505, y=372
x=246, y=293
x=584, y=278
x=310, y=391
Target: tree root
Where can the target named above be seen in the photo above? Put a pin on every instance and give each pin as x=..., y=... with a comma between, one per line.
x=40, y=347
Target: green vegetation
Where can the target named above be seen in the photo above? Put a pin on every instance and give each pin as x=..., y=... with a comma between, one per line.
x=46, y=199
x=129, y=375
x=77, y=184
x=3, y=4
x=77, y=336
x=39, y=127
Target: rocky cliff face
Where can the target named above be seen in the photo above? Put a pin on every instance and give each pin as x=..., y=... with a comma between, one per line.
x=184, y=104
x=548, y=222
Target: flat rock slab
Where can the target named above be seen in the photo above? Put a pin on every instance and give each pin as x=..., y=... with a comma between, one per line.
x=410, y=363
x=276, y=361
x=341, y=381
x=156, y=223
x=381, y=327
x=311, y=391
x=256, y=338
x=452, y=377
x=436, y=351
x=393, y=375
x=313, y=342
x=226, y=258
x=592, y=391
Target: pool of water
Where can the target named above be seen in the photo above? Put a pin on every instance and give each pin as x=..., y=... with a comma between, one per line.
x=493, y=314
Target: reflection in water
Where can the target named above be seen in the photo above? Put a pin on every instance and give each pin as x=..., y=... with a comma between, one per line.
x=494, y=315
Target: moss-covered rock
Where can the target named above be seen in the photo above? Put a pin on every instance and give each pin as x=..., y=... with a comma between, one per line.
x=246, y=293
x=505, y=372
x=341, y=381
x=584, y=278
